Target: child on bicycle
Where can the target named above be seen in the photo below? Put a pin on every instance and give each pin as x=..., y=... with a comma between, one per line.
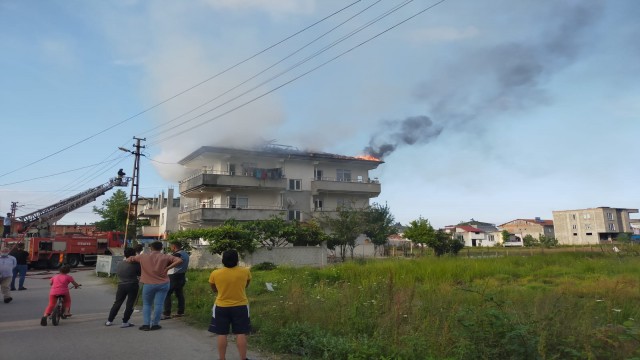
x=60, y=286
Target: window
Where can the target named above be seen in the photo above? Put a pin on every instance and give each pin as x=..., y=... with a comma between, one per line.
x=162, y=219
x=294, y=215
x=573, y=216
x=238, y=202
x=586, y=216
x=318, y=174
x=589, y=234
x=575, y=234
x=343, y=175
x=317, y=205
x=294, y=184
x=359, y=178
x=610, y=216
x=587, y=226
x=612, y=227
x=574, y=226
x=231, y=168
x=491, y=238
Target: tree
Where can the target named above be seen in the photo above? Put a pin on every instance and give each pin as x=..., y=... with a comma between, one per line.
x=505, y=236
x=269, y=233
x=379, y=225
x=529, y=241
x=446, y=244
x=345, y=227
x=624, y=238
x=229, y=236
x=113, y=213
x=304, y=233
x=547, y=241
x=420, y=231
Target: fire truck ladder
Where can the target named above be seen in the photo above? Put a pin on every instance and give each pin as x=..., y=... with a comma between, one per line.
x=42, y=218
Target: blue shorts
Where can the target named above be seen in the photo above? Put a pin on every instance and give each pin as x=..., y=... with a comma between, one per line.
x=235, y=318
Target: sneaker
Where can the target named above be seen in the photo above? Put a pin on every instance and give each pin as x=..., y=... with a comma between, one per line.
x=126, y=325
x=136, y=310
x=7, y=300
x=22, y=288
x=43, y=321
x=13, y=289
x=156, y=327
x=108, y=323
x=165, y=317
x=144, y=328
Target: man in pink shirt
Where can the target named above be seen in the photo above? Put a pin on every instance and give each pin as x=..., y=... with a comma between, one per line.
x=154, y=266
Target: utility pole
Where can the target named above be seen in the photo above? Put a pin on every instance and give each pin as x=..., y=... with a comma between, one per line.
x=132, y=213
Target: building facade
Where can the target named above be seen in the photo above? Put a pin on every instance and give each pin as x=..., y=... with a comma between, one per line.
x=534, y=227
x=162, y=213
x=254, y=184
x=591, y=226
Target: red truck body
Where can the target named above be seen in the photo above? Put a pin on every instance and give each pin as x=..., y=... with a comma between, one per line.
x=73, y=249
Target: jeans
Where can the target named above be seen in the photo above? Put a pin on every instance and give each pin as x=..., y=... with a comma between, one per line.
x=125, y=291
x=153, y=294
x=176, y=285
x=22, y=270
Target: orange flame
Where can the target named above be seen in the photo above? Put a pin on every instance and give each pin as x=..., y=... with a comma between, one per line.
x=367, y=157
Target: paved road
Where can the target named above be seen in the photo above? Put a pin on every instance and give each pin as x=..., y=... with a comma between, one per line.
x=84, y=335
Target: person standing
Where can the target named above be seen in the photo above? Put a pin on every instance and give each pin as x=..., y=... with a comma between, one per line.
x=155, y=280
x=231, y=307
x=128, y=274
x=21, y=256
x=7, y=263
x=177, y=281
x=7, y=226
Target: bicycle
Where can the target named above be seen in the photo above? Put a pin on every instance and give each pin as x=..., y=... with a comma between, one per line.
x=58, y=310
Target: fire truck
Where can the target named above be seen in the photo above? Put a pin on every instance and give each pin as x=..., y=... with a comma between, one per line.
x=52, y=251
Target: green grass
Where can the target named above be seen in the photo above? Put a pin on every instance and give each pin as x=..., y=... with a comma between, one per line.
x=568, y=305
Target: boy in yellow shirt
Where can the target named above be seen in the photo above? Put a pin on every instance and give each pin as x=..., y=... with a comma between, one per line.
x=231, y=308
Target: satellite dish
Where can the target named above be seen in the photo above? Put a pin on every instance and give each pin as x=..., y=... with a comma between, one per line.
x=290, y=202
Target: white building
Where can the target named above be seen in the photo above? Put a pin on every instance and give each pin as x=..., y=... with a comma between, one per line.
x=591, y=226
x=253, y=184
x=162, y=213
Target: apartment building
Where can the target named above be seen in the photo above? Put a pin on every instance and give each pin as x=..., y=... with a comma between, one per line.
x=162, y=213
x=274, y=180
x=591, y=226
x=534, y=227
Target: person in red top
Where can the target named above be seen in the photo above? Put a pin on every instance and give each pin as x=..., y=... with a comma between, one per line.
x=59, y=286
x=155, y=280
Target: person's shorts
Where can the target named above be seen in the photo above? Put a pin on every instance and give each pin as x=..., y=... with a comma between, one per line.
x=234, y=318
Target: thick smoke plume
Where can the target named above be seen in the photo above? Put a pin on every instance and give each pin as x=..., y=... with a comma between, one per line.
x=484, y=84
x=412, y=130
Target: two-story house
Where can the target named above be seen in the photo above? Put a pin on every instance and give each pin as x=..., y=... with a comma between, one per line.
x=253, y=184
x=534, y=227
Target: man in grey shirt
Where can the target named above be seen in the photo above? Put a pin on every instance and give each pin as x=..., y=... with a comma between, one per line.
x=128, y=274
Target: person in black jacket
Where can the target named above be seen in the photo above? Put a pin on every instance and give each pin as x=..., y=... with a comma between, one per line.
x=128, y=274
x=21, y=256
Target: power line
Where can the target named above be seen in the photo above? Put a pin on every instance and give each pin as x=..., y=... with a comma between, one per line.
x=299, y=76
x=317, y=53
x=55, y=174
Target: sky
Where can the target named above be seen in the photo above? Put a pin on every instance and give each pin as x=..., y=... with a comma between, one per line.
x=492, y=110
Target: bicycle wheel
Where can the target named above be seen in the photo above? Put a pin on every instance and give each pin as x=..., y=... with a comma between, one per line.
x=57, y=312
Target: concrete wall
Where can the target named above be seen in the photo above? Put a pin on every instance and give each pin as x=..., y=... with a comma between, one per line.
x=289, y=256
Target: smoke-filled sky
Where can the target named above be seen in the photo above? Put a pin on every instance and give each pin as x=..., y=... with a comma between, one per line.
x=492, y=110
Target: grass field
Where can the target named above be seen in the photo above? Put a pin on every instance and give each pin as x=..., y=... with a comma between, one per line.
x=567, y=305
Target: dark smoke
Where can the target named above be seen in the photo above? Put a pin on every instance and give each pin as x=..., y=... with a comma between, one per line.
x=488, y=83
x=410, y=131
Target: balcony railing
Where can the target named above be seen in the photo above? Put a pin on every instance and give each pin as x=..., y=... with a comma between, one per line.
x=221, y=213
x=330, y=185
x=208, y=179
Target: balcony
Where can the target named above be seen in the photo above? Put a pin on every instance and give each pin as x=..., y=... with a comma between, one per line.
x=328, y=185
x=149, y=231
x=149, y=212
x=207, y=181
x=218, y=215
